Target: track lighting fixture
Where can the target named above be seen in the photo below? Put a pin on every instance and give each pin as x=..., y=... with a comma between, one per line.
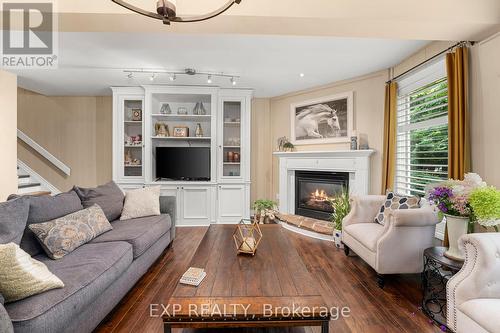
x=172, y=74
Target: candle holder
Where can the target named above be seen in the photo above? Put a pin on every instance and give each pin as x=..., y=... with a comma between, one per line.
x=247, y=236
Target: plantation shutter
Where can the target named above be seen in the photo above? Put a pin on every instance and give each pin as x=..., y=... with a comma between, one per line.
x=422, y=129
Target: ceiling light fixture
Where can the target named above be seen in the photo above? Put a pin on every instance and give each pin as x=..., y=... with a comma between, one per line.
x=302, y=75
x=166, y=10
x=172, y=74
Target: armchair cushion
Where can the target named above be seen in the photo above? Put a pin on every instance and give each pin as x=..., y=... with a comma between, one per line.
x=366, y=233
x=484, y=311
x=395, y=202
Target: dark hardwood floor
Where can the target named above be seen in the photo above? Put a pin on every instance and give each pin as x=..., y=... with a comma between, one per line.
x=345, y=281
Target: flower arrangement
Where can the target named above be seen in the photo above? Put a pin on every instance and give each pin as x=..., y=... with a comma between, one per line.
x=485, y=203
x=470, y=198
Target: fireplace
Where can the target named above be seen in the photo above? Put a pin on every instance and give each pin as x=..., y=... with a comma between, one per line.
x=313, y=189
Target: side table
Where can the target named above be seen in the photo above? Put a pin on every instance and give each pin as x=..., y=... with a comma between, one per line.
x=438, y=269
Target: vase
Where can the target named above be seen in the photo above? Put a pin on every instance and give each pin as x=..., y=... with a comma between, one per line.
x=165, y=109
x=199, y=131
x=196, y=110
x=457, y=226
x=337, y=237
x=202, y=110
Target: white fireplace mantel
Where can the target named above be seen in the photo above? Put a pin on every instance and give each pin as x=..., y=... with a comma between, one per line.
x=355, y=162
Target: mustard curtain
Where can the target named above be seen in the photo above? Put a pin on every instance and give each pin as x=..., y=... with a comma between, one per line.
x=457, y=67
x=389, y=148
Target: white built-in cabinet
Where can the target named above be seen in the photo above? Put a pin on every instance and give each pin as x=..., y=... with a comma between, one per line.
x=225, y=122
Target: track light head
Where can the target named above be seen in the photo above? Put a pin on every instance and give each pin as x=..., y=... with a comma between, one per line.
x=153, y=77
x=233, y=81
x=172, y=77
x=209, y=80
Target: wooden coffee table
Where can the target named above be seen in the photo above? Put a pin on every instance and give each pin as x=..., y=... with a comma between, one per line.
x=271, y=289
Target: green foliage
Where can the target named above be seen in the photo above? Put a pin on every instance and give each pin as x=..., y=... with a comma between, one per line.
x=262, y=204
x=428, y=147
x=341, y=207
x=485, y=203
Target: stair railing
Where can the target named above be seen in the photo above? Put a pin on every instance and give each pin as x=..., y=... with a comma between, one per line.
x=43, y=152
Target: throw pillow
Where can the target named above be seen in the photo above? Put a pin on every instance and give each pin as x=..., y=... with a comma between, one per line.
x=63, y=235
x=108, y=196
x=394, y=202
x=22, y=276
x=141, y=203
x=13, y=218
x=47, y=208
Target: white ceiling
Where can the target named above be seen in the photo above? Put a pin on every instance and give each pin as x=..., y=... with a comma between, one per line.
x=89, y=63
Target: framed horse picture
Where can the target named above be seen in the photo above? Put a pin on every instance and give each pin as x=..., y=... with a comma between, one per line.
x=325, y=120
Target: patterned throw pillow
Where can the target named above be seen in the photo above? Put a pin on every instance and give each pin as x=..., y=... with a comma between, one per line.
x=394, y=202
x=22, y=276
x=63, y=235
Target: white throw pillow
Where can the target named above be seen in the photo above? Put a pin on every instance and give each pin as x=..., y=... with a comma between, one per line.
x=141, y=203
x=22, y=276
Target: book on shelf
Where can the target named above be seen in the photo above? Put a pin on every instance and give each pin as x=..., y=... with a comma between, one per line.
x=193, y=276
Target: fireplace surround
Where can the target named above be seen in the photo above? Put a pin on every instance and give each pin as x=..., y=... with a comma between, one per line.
x=314, y=188
x=356, y=163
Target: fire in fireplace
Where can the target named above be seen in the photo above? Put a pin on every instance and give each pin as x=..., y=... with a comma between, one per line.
x=313, y=189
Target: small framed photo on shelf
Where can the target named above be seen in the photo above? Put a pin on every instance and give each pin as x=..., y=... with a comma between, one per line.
x=181, y=132
x=136, y=115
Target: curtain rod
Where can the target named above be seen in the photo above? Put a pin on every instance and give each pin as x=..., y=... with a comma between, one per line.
x=430, y=59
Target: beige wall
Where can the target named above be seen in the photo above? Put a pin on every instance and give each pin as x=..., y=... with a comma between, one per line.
x=8, y=134
x=485, y=109
x=76, y=130
x=368, y=120
x=261, y=171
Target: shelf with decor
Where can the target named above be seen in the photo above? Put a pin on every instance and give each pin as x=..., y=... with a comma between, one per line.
x=186, y=148
x=180, y=138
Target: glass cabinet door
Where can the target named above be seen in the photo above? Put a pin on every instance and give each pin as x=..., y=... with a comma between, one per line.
x=232, y=153
x=133, y=123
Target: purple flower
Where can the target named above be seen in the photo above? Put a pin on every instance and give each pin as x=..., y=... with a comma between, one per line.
x=442, y=207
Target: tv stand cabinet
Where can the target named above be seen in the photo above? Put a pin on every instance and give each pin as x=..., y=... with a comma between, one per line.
x=225, y=122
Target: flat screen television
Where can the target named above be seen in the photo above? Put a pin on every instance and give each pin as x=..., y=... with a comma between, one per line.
x=183, y=163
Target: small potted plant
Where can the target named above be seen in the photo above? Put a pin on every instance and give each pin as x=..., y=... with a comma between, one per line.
x=341, y=207
x=264, y=210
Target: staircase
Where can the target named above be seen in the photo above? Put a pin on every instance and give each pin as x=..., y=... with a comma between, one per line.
x=30, y=183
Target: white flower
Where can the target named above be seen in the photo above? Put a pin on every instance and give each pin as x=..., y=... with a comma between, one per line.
x=474, y=180
x=489, y=223
x=458, y=190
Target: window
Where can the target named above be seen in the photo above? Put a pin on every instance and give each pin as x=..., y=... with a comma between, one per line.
x=422, y=129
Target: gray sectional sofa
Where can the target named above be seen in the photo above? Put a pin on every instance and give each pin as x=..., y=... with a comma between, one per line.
x=96, y=275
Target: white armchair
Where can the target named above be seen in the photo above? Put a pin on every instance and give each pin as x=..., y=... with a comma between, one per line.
x=473, y=294
x=394, y=248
